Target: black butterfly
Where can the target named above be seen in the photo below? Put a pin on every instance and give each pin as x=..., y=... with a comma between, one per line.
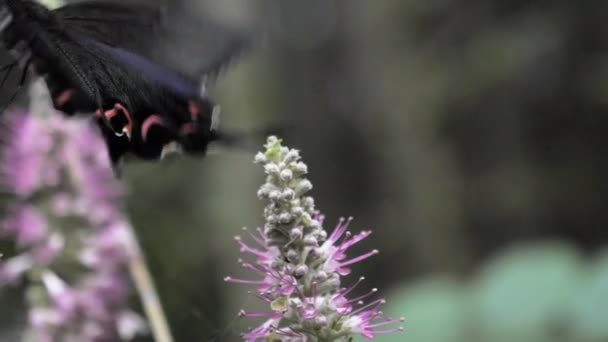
x=126, y=63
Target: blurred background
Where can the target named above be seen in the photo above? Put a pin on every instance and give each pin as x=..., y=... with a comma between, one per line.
x=469, y=135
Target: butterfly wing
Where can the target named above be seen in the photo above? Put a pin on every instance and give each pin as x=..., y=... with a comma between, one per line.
x=166, y=107
x=193, y=46
x=95, y=59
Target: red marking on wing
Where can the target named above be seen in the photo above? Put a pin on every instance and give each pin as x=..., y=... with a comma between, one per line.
x=118, y=109
x=64, y=97
x=152, y=120
x=109, y=114
x=194, y=110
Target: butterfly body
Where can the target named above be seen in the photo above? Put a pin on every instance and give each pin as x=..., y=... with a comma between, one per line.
x=92, y=62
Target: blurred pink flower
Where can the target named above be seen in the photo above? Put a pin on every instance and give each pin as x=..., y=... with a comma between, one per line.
x=66, y=220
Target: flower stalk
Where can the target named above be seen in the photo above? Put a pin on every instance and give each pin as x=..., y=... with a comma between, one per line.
x=299, y=267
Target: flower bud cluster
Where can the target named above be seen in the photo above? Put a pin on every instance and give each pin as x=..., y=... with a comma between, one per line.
x=301, y=266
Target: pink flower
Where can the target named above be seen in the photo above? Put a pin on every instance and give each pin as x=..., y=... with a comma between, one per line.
x=66, y=220
x=335, y=252
x=298, y=268
x=368, y=323
x=27, y=224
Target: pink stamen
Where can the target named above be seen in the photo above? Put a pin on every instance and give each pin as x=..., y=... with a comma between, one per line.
x=340, y=229
x=352, y=287
x=391, y=321
x=388, y=331
x=264, y=299
x=253, y=268
x=373, y=291
x=243, y=281
x=356, y=239
x=376, y=304
x=246, y=249
x=255, y=238
x=359, y=258
x=258, y=314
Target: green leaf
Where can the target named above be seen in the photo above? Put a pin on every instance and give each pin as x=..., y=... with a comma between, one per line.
x=523, y=294
x=589, y=321
x=435, y=310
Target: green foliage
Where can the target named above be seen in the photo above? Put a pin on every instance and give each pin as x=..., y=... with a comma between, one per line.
x=589, y=318
x=523, y=294
x=532, y=293
x=426, y=303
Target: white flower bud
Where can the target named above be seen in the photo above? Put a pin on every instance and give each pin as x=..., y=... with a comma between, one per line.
x=306, y=218
x=286, y=175
x=283, y=151
x=276, y=264
x=333, y=283
x=320, y=277
x=291, y=156
x=303, y=187
x=301, y=168
x=260, y=158
x=274, y=195
x=308, y=202
x=296, y=233
x=285, y=218
x=293, y=256
x=310, y=241
x=262, y=193
x=271, y=169
x=300, y=271
x=288, y=194
x=297, y=211
x=272, y=219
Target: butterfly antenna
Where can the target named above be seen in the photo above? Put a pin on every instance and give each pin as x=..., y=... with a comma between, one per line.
x=19, y=86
